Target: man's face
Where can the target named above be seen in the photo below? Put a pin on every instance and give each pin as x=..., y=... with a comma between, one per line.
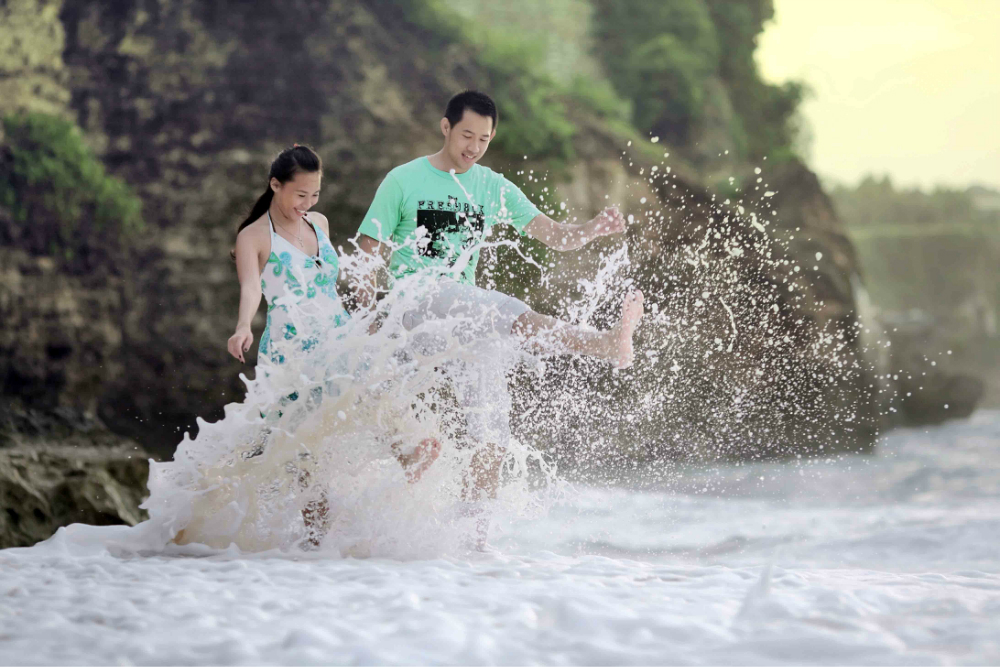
x=467, y=140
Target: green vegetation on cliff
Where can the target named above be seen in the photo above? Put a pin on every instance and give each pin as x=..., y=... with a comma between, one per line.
x=658, y=55
x=62, y=201
x=534, y=102
x=529, y=102
x=876, y=202
x=930, y=264
x=682, y=70
x=665, y=57
x=906, y=236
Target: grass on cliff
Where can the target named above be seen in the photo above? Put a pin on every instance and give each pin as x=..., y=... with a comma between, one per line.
x=534, y=107
x=683, y=71
x=58, y=197
x=664, y=57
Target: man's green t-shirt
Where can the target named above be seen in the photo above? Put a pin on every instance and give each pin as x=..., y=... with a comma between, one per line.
x=430, y=216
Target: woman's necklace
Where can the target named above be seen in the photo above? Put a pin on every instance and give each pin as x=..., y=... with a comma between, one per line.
x=298, y=236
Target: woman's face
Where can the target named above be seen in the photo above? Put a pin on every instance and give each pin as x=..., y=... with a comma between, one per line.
x=298, y=195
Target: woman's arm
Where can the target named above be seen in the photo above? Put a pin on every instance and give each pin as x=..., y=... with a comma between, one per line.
x=248, y=271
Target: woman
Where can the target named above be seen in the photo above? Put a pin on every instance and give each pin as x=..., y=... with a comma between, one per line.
x=285, y=255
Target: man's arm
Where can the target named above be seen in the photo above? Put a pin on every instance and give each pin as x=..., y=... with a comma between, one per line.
x=377, y=227
x=565, y=236
x=367, y=286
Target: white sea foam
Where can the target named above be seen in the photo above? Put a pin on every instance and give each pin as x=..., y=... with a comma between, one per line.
x=891, y=559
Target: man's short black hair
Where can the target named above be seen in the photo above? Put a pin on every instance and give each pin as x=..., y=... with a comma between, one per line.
x=473, y=100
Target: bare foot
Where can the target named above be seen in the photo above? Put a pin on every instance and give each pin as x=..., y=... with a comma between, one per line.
x=421, y=459
x=632, y=313
x=316, y=516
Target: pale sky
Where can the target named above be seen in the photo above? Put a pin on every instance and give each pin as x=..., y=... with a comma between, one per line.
x=904, y=87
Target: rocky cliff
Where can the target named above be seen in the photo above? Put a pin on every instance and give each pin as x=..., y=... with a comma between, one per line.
x=187, y=101
x=45, y=486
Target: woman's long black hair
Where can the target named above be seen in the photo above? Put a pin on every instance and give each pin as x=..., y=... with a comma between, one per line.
x=289, y=162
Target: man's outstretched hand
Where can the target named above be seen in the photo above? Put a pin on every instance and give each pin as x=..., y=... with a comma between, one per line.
x=570, y=236
x=609, y=221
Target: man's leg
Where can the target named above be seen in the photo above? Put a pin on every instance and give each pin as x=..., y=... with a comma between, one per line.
x=482, y=393
x=615, y=345
x=497, y=315
x=484, y=473
x=315, y=514
x=316, y=518
x=481, y=484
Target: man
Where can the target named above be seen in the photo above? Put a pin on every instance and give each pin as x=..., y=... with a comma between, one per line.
x=434, y=211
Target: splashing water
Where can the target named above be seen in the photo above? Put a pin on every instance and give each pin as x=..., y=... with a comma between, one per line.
x=733, y=362
x=318, y=437
x=746, y=352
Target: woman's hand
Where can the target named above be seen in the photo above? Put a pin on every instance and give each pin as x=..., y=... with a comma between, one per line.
x=240, y=342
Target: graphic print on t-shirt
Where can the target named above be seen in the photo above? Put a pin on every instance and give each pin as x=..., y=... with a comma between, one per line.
x=451, y=227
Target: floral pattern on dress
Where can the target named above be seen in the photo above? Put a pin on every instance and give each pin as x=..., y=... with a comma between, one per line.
x=289, y=271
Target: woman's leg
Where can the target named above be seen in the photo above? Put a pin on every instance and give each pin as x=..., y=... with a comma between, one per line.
x=416, y=463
